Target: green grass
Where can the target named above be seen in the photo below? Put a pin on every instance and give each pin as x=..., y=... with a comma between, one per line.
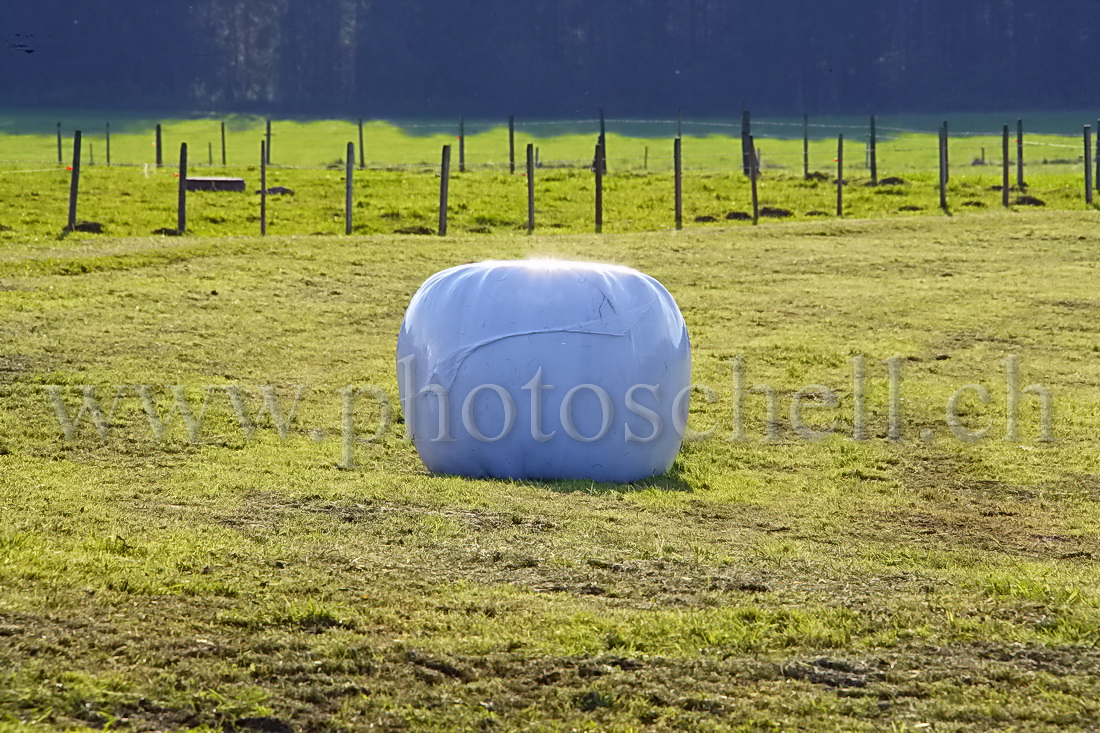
x=761, y=585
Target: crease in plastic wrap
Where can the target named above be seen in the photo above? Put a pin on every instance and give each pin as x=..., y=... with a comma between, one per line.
x=592, y=359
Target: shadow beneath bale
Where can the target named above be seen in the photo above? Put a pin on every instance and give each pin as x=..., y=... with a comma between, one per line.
x=673, y=480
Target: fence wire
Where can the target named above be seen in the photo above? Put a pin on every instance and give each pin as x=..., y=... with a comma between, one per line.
x=777, y=141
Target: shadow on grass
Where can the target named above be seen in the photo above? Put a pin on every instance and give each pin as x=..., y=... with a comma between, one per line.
x=673, y=480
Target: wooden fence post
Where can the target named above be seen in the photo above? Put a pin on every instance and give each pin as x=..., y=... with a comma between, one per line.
x=677, y=165
x=349, y=186
x=805, y=146
x=511, y=143
x=874, y=153
x=444, y=188
x=1088, y=164
x=943, y=168
x=263, y=187
x=1020, y=155
x=840, y=175
x=754, y=174
x=267, y=138
x=645, y=159
x=462, y=144
x=223, y=144
x=530, y=187
x=74, y=182
x=1004, y=168
x=946, y=154
x=60, y=160
x=599, y=192
x=1096, y=178
x=210, y=154
x=603, y=143
x=362, y=149
x=181, y=208
x=108, y=143
x=160, y=157
x=746, y=149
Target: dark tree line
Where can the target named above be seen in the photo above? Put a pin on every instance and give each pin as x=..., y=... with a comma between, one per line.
x=551, y=57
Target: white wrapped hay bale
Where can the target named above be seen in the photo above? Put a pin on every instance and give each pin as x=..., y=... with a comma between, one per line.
x=544, y=369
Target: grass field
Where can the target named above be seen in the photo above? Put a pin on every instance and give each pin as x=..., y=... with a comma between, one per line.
x=253, y=582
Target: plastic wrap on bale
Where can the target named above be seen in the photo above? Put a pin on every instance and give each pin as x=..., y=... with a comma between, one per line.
x=544, y=369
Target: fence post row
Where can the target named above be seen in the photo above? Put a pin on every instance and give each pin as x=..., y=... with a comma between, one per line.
x=444, y=188
x=751, y=161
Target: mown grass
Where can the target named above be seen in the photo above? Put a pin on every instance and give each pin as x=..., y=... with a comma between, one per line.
x=250, y=582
